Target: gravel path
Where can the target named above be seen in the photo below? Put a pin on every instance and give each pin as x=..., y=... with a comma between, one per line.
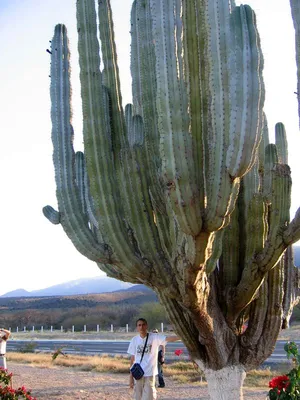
x=68, y=384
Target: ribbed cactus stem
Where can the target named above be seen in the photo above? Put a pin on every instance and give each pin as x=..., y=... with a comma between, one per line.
x=281, y=143
x=271, y=158
x=291, y=286
x=171, y=100
x=79, y=165
x=295, y=7
x=99, y=134
x=74, y=222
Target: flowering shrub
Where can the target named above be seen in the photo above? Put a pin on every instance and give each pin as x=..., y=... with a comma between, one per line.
x=7, y=392
x=178, y=352
x=5, y=377
x=287, y=387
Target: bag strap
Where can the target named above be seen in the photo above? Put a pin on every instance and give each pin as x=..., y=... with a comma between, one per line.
x=144, y=347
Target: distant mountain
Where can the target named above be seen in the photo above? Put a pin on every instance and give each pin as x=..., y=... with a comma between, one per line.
x=98, y=284
x=17, y=293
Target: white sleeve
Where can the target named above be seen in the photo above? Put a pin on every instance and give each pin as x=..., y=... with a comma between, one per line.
x=132, y=347
x=162, y=340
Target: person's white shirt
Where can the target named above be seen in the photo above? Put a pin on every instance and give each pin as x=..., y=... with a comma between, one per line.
x=149, y=362
x=2, y=343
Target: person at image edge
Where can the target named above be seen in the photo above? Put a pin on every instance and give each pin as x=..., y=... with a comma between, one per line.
x=4, y=335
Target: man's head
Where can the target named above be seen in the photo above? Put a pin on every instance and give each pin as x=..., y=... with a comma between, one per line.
x=142, y=326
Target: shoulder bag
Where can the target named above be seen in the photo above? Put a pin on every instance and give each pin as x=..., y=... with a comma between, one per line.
x=136, y=369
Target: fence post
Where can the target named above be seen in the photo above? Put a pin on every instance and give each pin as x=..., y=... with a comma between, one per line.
x=42, y=329
x=84, y=328
x=97, y=328
x=162, y=326
x=33, y=328
x=24, y=328
x=17, y=330
x=111, y=328
x=126, y=328
x=73, y=329
x=51, y=328
x=61, y=328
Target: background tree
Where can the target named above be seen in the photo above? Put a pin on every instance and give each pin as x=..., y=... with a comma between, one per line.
x=182, y=191
x=154, y=313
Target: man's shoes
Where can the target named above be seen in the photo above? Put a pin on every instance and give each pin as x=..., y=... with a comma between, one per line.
x=161, y=386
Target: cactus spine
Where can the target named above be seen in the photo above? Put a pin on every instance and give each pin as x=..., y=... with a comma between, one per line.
x=181, y=191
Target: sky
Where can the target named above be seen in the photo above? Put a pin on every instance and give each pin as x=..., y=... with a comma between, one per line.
x=35, y=254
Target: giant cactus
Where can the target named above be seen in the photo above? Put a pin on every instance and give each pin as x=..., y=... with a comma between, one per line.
x=181, y=191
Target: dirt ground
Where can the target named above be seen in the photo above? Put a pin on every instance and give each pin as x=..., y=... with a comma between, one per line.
x=65, y=384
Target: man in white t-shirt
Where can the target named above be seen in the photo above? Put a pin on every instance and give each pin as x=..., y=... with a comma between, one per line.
x=144, y=388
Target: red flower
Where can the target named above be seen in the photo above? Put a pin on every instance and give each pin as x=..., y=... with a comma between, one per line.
x=279, y=382
x=178, y=352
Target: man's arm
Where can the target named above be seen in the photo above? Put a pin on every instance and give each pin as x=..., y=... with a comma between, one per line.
x=7, y=333
x=130, y=374
x=163, y=350
x=172, y=339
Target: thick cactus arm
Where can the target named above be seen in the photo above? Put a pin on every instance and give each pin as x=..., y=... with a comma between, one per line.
x=265, y=260
x=291, y=286
x=135, y=66
x=79, y=165
x=247, y=92
x=98, y=139
x=85, y=196
x=173, y=120
x=216, y=132
x=295, y=7
x=229, y=277
x=144, y=101
x=292, y=233
x=195, y=59
x=272, y=318
x=271, y=158
x=281, y=143
x=258, y=312
x=110, y=74
x=72, y=219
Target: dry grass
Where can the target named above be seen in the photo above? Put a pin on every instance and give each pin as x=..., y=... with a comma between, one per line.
x=260, y=378
x=103, y=363
x=181, y=371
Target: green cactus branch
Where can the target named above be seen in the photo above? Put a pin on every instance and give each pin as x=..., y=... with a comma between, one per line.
x=73, y=221
x=295, y=7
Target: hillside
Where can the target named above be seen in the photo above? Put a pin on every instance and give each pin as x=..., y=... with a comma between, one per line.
x=118, y=308
x=124, y=297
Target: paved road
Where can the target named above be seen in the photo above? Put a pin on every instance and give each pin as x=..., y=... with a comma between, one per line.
x=92, y=347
